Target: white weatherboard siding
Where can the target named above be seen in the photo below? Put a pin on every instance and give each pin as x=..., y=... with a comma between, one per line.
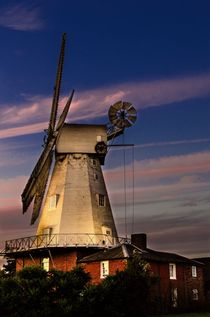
x=77, y=189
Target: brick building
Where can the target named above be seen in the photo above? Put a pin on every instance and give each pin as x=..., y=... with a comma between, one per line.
x=179, y=284
x=206, y=272
x=180, y=281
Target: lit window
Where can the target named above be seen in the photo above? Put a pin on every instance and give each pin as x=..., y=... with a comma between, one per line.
x=101, y=200
x=172, y=271
x=104, y=269
x=194, y=271
x=53, y=201
x=195, y=294
x=46, y=264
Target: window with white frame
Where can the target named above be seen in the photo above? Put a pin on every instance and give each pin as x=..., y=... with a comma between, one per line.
x=195, y=294
x=194, y=271
x=172, y=271
x=46, y=264
x=53, y=201
x=104, y=269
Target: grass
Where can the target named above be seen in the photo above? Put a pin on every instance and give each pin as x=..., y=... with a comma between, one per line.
x=188, y=315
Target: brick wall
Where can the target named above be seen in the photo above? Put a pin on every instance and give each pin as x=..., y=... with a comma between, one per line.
x=94, y=269
x=63, y=259
x=184, y=283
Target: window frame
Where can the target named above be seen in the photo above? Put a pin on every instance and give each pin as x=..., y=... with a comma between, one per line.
x=101, y=200
x=172, y=271
x=194, y=271
x=195, y=295
x=46, y=264
x=104, y=269
x=53, y=201
x=174, y=297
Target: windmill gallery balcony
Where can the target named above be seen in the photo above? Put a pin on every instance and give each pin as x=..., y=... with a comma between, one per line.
x=61, y=240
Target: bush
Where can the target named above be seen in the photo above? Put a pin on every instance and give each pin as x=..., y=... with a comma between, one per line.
x=124, y=294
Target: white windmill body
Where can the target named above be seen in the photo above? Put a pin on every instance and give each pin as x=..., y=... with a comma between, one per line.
x=77, y=206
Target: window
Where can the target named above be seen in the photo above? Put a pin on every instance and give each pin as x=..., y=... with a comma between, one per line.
x=104, y=269
x=94, y=163
x=101, y=200
x=172, y=271
x=46, y=264
x=195, y=294
x=99, y=138
x=174, y=296
x=95, y=176
x=53, y=202
x=194, y=271
x=47, y=231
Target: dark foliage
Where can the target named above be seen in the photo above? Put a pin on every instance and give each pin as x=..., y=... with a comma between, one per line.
x=124, y=294
x=35, y=292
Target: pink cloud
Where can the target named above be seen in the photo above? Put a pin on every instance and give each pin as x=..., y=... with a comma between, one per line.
x=178, y=142
x=95, y=103
x=164, y=167
x=10, y=191
x=24, y=130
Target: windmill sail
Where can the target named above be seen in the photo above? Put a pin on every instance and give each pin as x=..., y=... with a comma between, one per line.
x=54, y=109
x=64, y=113
x=40, y=186
x=31, y=186
x=36, y=184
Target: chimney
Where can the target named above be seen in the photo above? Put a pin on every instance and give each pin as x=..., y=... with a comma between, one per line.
x=139, y=240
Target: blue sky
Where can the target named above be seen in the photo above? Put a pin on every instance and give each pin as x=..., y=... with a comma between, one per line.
x=155, y=54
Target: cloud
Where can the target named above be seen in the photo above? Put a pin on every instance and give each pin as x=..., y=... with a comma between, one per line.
x=25, y=130
x=180, y=232
x=178, y=142
x=10, y=190
x=151, y=170
x=92, y=104
x=21, y=17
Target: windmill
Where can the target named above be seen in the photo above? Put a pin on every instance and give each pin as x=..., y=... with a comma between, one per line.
x=76, y=203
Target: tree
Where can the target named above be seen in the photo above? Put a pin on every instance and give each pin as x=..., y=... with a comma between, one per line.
x=121, y=295
x=34, y=292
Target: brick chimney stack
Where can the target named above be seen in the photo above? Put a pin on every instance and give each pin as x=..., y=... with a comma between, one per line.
x=139, y=240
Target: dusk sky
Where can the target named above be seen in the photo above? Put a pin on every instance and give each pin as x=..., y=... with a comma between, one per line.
x=155, y=54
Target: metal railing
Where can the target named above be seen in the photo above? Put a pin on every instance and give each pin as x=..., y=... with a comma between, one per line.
x=62, y=240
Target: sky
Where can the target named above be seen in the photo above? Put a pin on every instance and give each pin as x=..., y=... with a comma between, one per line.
x=154, y=54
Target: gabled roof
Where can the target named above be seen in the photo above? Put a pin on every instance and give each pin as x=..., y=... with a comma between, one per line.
x=125, y=251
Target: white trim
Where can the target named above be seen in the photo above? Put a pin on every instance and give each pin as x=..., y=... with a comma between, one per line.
x=53, y=201
x=46, y=264
x=172, y=271
x=104, y=269
x=194, y=271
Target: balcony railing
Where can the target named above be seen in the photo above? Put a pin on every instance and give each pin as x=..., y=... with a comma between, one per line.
x=62, y=240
